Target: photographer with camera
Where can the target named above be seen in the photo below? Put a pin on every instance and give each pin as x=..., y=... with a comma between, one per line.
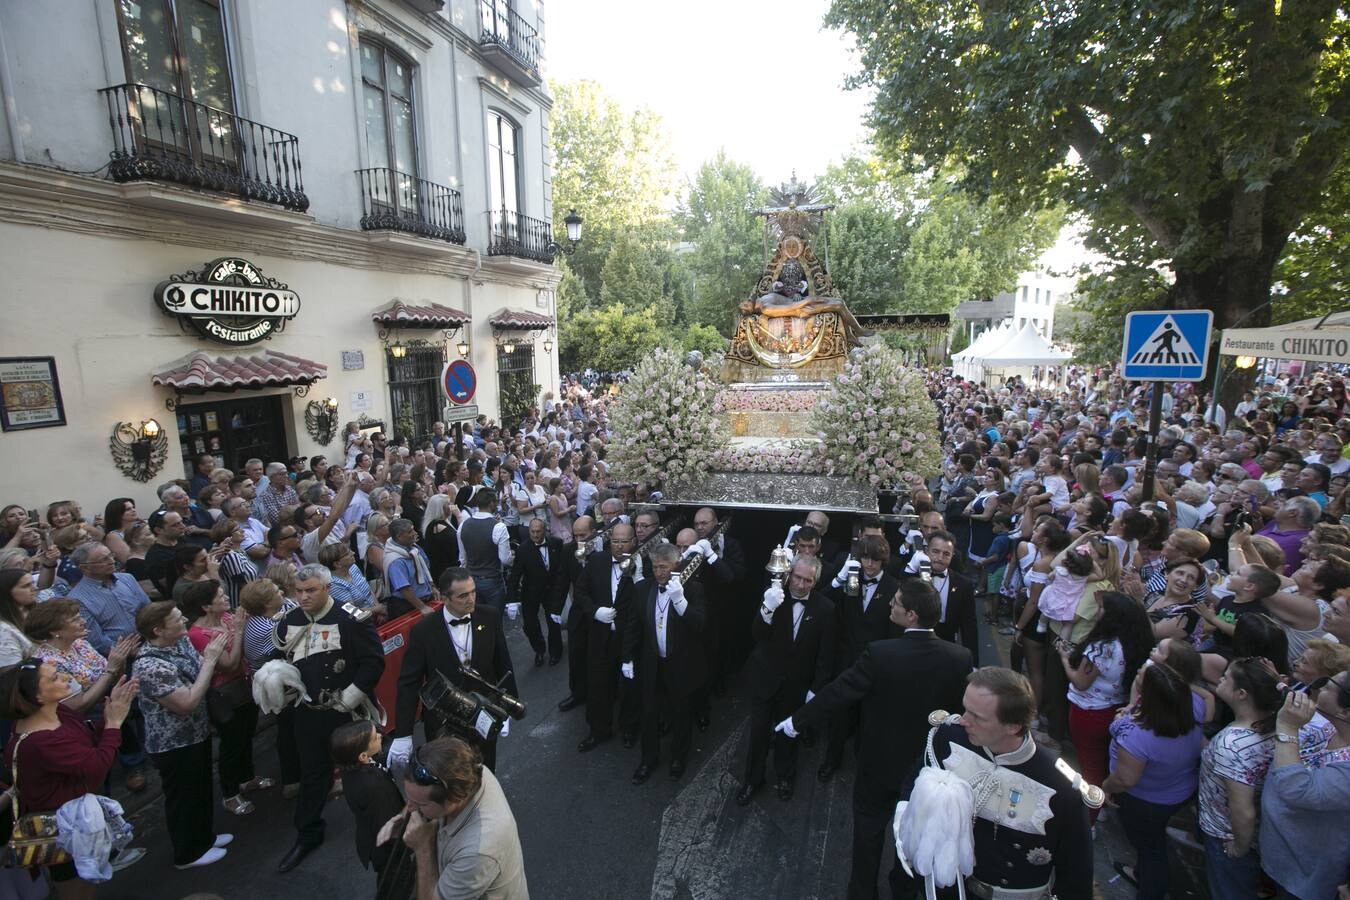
x=460, y=827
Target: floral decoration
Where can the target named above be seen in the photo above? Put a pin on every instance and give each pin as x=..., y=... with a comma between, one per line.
x=876, y=421
x=665, y=420
x=787, y=457
x=766, y=401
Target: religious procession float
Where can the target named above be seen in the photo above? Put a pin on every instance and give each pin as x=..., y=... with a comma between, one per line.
x=806, y=409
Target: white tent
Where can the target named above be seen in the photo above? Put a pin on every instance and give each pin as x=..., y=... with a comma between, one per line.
x=1020, y=352
x=1323, y=339
x=966, y=363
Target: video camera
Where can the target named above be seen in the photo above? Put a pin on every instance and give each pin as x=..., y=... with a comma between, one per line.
x=477, y=713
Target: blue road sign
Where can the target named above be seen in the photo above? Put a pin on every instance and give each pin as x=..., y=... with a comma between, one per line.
x=1167, y=345
x=458, y=381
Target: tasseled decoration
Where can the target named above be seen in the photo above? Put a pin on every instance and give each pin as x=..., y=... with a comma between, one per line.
x=277, y=685
x=934, y=830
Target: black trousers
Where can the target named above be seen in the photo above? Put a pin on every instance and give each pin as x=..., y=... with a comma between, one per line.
x=842, y=725
x=872, y=816
x=764, y=715
x=236, y=749
x=189, y=806
x=577, y=643
x=532, y=607
x=313, y=730
x=606, y=688
x=287, y=753
x=674, y=701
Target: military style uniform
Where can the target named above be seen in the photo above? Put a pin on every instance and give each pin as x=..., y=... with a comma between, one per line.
x=1032, y=837
x=334, y=651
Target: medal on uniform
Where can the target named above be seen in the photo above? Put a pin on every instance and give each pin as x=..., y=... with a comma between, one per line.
x=339, y=666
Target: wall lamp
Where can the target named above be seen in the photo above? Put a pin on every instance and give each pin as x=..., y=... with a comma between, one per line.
x=139, y=451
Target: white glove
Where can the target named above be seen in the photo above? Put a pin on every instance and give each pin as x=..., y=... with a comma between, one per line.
x=773, y=597
x=512, y=610
x=557, y=620
x=627, y=670
x=605, y=614
x=678, y=601
x=400, y=752
x=810, y=695
x=351, y=698
x=915, y=561
x=786, y=728
x=506, y=728
x=851, y=567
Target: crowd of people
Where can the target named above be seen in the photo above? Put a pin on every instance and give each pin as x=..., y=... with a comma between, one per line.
x=1184, y=645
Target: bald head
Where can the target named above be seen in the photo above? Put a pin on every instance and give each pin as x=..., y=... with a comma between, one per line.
x=705, y=520
x=583, y=529
x=686, y=538
x=621, y=540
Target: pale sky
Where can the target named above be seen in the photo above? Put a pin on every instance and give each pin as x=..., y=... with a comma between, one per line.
x=760, y=78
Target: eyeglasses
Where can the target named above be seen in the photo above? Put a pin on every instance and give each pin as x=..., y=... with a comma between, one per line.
x=423, y=776
x=1342, y=692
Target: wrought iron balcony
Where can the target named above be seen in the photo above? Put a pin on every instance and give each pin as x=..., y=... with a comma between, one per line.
x=396, y=201
x=508, y=41
x=160, y=136
x=513, y=234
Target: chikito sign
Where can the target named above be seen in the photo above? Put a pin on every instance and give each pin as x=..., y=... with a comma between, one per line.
x=230, y=301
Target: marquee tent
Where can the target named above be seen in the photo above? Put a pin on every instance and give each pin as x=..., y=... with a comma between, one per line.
x=1018, y=354
x=966, y=362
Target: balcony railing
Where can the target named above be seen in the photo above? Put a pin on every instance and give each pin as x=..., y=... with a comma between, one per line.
x=503, y=28
x=160, y=136
x=397, y=201
x=512, y=234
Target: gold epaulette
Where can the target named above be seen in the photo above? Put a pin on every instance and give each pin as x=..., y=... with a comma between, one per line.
x=356, y=612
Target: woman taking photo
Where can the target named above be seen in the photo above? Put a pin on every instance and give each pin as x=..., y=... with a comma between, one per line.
x=59, y=630
x=234, y=566
x=17, y=596
x=1100, y=670
x=57, y=755
x=173, y=681
x=1155, y=762
x=207, y=608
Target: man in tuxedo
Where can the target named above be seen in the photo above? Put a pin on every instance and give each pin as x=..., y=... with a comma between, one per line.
x=862, y=527
x=859, y=620
x=818, y=520
x=604, y=593
x=724, y=564
x=912, y=549
x=794, y=651
x=463, y=632
x=574, y=563
x=897, y=682
x=534, y=583
x=956, y=592
x=665, y=648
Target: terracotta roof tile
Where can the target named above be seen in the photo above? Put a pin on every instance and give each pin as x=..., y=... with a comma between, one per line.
x=428, y=315
x=520, y=319
x=200, y=371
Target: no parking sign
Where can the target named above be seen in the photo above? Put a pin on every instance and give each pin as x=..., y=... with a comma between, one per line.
x=458, y=381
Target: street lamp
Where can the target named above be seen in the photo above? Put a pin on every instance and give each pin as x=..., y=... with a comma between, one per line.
x=548, y=345
x=508, y=347
x=1245, y=362
x=463, y=348
x=572, y=223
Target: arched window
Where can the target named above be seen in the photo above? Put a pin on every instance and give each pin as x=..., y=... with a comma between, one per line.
x=391, y=125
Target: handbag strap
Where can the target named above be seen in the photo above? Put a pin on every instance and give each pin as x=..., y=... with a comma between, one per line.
x=14, y=773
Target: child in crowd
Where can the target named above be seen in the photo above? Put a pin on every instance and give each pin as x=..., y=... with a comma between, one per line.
x=370, y=791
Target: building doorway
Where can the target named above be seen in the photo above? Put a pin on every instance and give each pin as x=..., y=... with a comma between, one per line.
x=234, y=431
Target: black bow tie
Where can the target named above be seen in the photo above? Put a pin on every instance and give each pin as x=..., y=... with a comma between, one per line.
x=540, y=546
x=871, y=580
x=464, y=621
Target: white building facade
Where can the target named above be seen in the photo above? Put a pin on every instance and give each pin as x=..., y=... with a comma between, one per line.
x=214, y=213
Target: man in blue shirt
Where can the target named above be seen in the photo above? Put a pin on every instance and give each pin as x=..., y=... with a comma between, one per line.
x=109, y=599
x=408, y=571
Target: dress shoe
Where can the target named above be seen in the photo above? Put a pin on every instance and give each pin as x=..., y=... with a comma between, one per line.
x=676, y=769
x=590, y=742
x=539, y=659
x=701, y=721
x=215, y=854
x=643, y=772
x=784, y=789
x=629, y=741
x=554, y=660
x=568, y=702
x=826, y=771
x=747, y=793
x=297, y=853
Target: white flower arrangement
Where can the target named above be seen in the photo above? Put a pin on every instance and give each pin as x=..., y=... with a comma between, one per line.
x=876, y=421
x=766, y=401
x=786, y=457
x=665, y=422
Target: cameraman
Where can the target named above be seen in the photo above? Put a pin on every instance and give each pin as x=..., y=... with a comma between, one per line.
x=460, y=826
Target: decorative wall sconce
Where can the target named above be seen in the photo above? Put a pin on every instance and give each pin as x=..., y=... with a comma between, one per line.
x=398, y=350
x=462, y=347
x=321, y=420
x=572, y=224
x=508, y=346
x=548, y=343
x=1245, y=362
x=139, y=451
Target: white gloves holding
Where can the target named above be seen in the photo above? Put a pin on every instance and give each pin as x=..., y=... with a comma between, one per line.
x=678, y=601
x=557, y=620
x=705, y=547
x=400, y=753
x=810, y=695
x=786, y=728
x=627, y=670
x=512, y=610
x=605, y=614
x=773, y=598
x=351, y=698
x=506, y=728
x=851, y=567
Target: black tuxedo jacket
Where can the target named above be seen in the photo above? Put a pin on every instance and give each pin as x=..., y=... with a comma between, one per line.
x=686, y=659
x=592, y=591
x=898, y=682
x=961, y=618
x=724, y=576
x=854, y=628
x=530, y=577
x=780, y=663
x=374, y=799
x=429, y=651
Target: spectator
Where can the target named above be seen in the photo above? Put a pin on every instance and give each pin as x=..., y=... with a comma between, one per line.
x=59, y=632
x=17, y=596
x=348, y=585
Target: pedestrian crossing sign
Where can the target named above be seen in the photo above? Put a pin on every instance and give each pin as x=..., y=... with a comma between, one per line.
x=1167, y=345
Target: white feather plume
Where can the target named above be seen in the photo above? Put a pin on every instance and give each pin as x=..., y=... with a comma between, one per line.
x=934, y=832
x=277, y=685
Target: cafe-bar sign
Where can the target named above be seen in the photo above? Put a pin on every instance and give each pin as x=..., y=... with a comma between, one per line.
x=230, y=301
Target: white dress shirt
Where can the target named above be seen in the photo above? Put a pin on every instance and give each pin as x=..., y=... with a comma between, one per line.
x=461, y=636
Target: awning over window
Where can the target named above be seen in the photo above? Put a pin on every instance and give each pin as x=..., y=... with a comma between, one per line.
x=520, y=320
x=427, y=315
x=200, y=371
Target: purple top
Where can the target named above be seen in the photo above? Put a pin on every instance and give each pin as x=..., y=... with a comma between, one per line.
x=1288, y=541
x=1171, y=765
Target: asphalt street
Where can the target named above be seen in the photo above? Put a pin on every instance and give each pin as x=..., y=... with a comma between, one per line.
x=587, y=833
